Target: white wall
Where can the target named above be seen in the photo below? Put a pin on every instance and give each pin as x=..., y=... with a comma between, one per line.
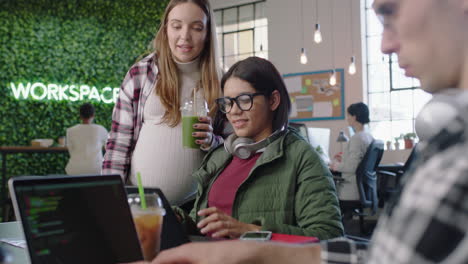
x=284, y=41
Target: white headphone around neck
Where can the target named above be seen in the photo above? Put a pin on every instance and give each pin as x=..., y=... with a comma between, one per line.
x=244, y=148
x=442, y=109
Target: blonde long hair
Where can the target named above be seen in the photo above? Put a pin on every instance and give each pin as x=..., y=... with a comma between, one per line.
x=167, y=85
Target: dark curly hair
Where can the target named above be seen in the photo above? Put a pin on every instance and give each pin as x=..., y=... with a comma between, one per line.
x=360, y=111
x=86, y=110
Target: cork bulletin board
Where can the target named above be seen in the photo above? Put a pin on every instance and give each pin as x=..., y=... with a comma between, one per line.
x=313, y=98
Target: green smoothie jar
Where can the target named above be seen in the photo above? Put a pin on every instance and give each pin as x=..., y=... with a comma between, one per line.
x=191, y=109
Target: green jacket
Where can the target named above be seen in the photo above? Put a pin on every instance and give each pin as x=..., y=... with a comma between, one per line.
x=289, y=190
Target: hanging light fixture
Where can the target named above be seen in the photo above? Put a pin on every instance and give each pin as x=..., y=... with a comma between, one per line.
x=261, y=53
x=303, y=56
x=332, y=80
x=352, y=65
x=317, y=33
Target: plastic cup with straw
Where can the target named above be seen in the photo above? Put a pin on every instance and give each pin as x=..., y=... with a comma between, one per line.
x=148, y=215
x=141, y=191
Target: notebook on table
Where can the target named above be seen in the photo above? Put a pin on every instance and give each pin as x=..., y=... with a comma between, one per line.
x=295, y=239
x=75, y=219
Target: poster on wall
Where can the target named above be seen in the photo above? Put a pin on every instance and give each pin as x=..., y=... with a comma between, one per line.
x=312, y=96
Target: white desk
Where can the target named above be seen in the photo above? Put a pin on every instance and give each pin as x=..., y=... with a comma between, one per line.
x=395, y=156
x=13, y=230
x=20, y=255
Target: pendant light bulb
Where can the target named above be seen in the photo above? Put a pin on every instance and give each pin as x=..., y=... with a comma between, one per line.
x=332, y=80
x=352, y=66
x=303, y=56
x=317, y=34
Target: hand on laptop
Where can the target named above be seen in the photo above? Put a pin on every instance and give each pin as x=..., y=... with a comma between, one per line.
x=219, y=224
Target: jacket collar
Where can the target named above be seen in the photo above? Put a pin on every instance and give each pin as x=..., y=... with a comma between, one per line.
x=216, y=160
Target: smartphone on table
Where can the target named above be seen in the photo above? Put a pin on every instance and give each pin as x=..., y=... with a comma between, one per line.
x=256, y=235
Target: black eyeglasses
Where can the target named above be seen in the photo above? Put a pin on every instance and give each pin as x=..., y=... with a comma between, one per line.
x=244, y=102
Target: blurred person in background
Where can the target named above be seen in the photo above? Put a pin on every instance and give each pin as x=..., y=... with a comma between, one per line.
x=85, y=144
x=347, y=162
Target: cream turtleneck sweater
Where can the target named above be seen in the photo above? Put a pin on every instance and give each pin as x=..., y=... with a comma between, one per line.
x=159, y=155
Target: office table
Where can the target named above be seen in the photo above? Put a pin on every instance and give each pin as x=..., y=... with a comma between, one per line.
x=13, y=230
x=391, y=167
x=6, y=150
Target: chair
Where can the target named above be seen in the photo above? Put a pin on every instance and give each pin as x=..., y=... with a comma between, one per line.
x=389, y=178
x=366, y=178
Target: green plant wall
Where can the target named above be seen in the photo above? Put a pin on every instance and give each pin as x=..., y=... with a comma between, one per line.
x=92, y=42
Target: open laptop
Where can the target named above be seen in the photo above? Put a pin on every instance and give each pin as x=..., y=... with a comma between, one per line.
x=77, y=219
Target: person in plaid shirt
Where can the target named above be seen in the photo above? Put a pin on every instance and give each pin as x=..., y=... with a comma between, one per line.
x=146, y=134
x=428, y=221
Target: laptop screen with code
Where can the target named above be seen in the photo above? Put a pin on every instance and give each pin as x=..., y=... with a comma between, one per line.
x=76, y=219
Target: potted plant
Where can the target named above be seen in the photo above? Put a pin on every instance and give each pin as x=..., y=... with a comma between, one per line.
x=397, y=142
x=322, y=154
x=409, y=140
x=389, y=145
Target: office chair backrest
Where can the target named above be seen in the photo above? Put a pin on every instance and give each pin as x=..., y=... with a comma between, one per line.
x=390, y=180
x=367, y=176
x=410, y=159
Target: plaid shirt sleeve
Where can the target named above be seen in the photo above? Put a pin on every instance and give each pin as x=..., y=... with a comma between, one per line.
x=216, y=141
x=429, y=225
x=343, y=250
x=430, y=222
x=119, y=143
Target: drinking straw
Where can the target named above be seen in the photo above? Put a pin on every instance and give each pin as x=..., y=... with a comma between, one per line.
x=194, y=108
x=141, y=191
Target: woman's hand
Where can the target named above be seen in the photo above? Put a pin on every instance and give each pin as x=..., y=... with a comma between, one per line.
x=205, y=134
x=338, y=157
x=219, y=224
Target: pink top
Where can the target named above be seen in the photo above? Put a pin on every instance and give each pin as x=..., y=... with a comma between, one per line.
x=223, y=191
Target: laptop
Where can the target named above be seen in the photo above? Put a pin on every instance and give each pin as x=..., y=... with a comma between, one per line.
x=77, y=219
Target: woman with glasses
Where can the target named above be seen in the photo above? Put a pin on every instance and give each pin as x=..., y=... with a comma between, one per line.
x=266, y=177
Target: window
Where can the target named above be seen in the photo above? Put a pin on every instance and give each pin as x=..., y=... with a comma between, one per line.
x=242, y=32
x=394, y=99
